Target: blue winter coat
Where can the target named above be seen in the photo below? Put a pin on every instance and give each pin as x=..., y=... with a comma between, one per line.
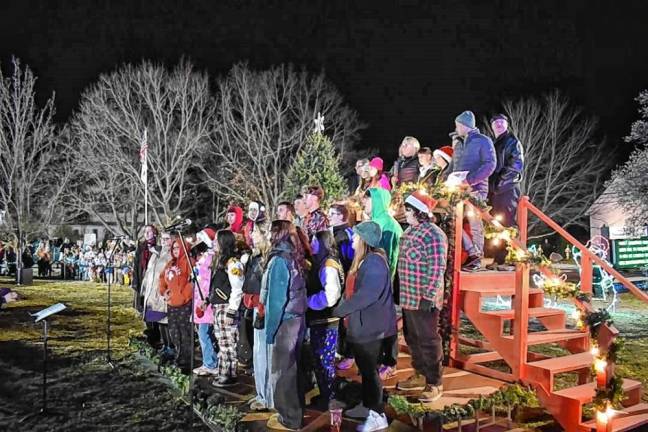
x=476, y=154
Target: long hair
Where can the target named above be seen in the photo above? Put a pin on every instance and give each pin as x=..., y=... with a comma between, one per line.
x=285, y=231
x=181, y=261
x=327, y=248
x=361, y=253
x=226, y=248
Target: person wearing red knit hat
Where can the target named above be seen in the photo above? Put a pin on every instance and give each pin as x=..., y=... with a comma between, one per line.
x=422, y=263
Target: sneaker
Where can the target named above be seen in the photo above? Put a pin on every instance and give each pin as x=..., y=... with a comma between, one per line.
x=345, y=364
x=258, y=406
x=374, y=422
x=205, y=371
x=386, y=372
x=275, y=424
x=358, y=411
x=505, y=267
x=431, y=393
x=473, y=264
x=415, y=382
x=224, y=381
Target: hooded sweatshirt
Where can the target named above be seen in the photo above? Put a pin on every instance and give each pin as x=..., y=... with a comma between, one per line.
x=176, y=279
x=237, y=226
x=391, y=230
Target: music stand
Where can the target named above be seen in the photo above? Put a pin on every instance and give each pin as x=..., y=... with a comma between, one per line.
x=41, y=316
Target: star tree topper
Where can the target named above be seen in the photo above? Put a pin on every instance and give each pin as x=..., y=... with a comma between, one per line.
x=319, y=123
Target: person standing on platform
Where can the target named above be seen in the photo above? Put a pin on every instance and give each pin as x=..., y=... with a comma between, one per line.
x=473, y=155
x=421, y=267
x=370, y=316
x=283, y=293
x=203, y=312
x=316, y=219
x=406, y=167
x=504, y=183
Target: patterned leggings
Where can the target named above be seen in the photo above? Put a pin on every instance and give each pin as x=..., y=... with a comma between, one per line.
x=180, y=331
x=324, y=343
x=227, y=337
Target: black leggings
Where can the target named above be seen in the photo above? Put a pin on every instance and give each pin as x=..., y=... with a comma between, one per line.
x=367, y=356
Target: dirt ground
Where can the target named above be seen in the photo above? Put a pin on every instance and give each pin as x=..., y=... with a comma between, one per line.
x=91, y=395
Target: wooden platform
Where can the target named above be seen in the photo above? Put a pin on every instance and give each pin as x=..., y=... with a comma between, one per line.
x=459, y=387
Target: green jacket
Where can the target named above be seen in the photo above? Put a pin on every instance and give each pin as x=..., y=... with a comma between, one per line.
x=391, y=229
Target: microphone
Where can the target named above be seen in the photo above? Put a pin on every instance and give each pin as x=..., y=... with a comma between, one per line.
x=176, y=226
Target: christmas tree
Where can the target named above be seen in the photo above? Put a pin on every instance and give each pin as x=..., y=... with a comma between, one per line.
x=317, y=163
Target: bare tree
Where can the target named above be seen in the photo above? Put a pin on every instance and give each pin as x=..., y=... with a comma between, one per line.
x=32, y=178
x=263, y=120
x=629, y=183
x=174, y=107
x=564, y=161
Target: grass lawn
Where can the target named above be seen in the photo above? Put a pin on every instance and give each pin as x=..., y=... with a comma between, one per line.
x=92, y=395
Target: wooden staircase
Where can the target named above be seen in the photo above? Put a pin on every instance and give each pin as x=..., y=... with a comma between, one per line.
x=507, y=338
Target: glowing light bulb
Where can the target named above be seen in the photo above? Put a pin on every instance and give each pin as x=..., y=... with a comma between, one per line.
x=496, y=241
x=600, y=365
x=422, y=190
x=505, y=235
x=470, y=213
x=499, y=217
x=609, y=412
x=595, y=351
x=601, y=417
x=576, y=314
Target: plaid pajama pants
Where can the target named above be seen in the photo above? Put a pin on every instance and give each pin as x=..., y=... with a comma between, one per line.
x=227, y=337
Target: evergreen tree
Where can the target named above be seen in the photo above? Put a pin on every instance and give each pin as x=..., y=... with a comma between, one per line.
x=316, y=163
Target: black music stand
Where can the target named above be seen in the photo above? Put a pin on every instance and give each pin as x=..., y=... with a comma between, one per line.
x=42, y=317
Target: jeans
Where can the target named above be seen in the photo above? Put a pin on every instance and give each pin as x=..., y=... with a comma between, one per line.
x=262, y=359
x=287, y=374
x=505, y=204
x=206, y=338
x=366, y=356
x=475, y=246
x=421, y=329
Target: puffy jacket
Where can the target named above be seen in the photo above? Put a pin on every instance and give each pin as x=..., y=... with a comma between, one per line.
x=476, y=155
x=510, y=163
x=391, y=229
x=406, y=169
x=370, y=309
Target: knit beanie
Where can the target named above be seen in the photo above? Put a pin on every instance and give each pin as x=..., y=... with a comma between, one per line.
x=370, y=232
x=377, y=163
x=421, y=202
x=499, y=116
x=445, y=153
x=466, y=118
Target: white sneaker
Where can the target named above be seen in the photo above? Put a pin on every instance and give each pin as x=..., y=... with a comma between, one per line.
x=205, y=371
x=374, y=422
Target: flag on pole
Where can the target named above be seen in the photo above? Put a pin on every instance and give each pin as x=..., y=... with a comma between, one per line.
x=143, y=158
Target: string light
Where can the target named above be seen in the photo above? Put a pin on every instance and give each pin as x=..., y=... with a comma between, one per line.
x=423, y=191
x=499, y=218
x=600, y=365
x=495, y=241
x=595, y=351
x=576, y=314
x=470, y=213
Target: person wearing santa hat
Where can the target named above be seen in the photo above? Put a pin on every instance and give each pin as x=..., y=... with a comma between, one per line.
x=434, y=164
x=421, y=267
x=203, y=314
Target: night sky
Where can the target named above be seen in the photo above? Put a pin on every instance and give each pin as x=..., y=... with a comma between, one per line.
x=408, y=67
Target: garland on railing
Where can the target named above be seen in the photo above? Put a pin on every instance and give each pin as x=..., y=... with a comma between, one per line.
x=609, y=391
x=503, y=400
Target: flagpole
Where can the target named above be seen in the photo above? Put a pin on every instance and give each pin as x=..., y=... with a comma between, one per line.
x=146, y=179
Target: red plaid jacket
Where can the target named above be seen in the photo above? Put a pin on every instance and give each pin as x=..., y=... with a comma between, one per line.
x=421, y=265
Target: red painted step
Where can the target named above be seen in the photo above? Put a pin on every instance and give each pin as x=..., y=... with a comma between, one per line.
x=538, y=312
x=585, y=393
x=544, y=337
x=637, y=415
x=487, y=280
x=544, y=371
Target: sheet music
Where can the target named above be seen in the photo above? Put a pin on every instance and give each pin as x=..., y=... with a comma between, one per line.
x=40, y=315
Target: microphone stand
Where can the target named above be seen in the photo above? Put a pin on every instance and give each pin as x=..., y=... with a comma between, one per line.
x=110, y=265
x=195, y=284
